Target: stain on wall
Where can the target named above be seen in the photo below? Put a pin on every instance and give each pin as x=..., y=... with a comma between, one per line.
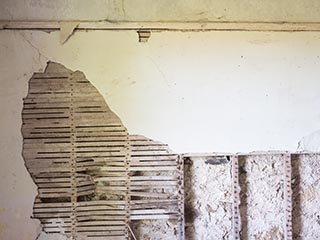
x=165, y=10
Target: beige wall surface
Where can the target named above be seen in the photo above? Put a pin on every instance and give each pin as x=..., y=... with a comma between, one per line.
x=164, y=10
x=198, y=92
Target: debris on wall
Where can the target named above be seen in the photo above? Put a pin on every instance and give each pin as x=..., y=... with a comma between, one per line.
x=93, y=178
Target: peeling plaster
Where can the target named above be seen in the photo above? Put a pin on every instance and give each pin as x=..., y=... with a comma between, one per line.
x=205, y=78
x=310, y=142
x=98, y=145
x=67, y=30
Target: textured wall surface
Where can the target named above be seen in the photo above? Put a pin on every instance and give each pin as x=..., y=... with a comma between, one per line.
x=306, y=186
x=208, y=198
x=262, y=202
x=164, y=10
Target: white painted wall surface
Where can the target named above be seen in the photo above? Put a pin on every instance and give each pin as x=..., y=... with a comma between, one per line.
x=198, y=92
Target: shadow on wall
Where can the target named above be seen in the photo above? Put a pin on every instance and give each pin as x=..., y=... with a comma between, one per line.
x=190, y=212
x=243, y=197
x=296, y=197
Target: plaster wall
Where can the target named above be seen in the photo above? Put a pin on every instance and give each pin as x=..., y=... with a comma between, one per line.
x=198, y=92
x=164, y=10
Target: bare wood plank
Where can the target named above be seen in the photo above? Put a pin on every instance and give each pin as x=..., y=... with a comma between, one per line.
x=153, y=168
x=160, y=216
x=99, y=228
x=144, y=178
x=102, y=202
x=52, y=205
x=288, y=196
x=51, y=210
x=152, y=212
x=152, y=194
x=94, y=218
x=100, y=207
x=154, y=158
x=236, y=220
x=105, y=222
x=105, y=213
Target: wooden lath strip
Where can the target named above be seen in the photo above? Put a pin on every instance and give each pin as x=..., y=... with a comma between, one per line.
x=127, y=185
x=236, y=220
x=73, y=157
x=181, y=219
x=287, y=197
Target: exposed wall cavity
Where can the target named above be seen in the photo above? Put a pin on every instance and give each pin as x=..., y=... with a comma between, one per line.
x=262, y=198
x=93, y=178
x=208, y=197
x=306, y=196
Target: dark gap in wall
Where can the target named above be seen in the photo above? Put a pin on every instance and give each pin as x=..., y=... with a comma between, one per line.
x=243, y=183
x=296, y=197
x=189, y=211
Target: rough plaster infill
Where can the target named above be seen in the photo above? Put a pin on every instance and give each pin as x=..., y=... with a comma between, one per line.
x=208, y=199
x=306, y=196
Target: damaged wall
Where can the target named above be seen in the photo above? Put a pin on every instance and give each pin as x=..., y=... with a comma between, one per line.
x=229, y=91
x=93, y=177
x=209, y=198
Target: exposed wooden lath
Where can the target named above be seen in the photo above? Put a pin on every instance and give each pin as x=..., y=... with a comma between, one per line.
x=93, y=177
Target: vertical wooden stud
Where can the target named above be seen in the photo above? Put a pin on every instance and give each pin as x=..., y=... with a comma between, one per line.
x=127, y=196
x=181, y=223
x=287, y=197
x=236, y=220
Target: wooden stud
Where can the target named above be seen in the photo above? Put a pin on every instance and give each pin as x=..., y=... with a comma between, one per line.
x=287, y=196
x=236, y=220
